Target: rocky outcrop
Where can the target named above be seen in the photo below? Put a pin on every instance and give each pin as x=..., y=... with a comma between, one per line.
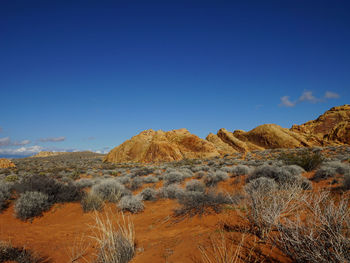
x=6, y=163
x=330, y=127
x=159, y=146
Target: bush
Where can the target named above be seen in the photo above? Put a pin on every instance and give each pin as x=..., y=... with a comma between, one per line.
x=131, y=203
x=324, y=173
x=136, y=183
x=5, y=194
x=84, y=183
x=31, y=204
x=213, y=179
x=322, y=236
x=240, y=170
x=306, y=158
x=148, y=194
x=150, y=179
x=281, y=175
x=262, y=184
x=109, y=190
x=197, y=203
x=195, y=186
x=8, y=253
x=91, y=202
x=172, y=191
x=346, y=182
x=330, y=169
x=294, y=169
x=172, y=178
x=56, y=191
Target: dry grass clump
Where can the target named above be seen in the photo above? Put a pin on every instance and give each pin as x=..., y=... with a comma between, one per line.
x=91, y=202
x=115, y=238
x=221, y=250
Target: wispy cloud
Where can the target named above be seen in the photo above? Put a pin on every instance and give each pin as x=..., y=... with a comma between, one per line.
x=307, y=96
x=331, y=95
x=286, y=102
x=5, y=141
x=53, y=139
x=21, y=143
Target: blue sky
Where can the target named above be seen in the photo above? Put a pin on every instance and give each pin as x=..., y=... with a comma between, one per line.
x=87, y=75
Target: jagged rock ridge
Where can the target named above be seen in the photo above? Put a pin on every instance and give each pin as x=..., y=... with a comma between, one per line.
x=331, y=128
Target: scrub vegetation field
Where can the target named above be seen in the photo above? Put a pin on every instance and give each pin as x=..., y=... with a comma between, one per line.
x=265, y=206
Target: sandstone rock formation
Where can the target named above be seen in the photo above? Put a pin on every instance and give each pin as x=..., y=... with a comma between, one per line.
x=6, y=163
x=331, y=128
x=159, y=146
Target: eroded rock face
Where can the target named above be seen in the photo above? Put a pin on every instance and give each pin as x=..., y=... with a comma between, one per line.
x=159, y=146
x=332, y=126
x=6, y=163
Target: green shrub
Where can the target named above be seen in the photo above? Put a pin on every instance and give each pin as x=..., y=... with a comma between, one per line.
x=306, y=158
x=31, y=204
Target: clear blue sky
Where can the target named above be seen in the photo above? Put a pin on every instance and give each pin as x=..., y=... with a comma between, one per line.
x=91, y=74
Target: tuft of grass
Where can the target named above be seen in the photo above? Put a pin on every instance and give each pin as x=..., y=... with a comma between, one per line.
x=91, y=202
x=115, y=238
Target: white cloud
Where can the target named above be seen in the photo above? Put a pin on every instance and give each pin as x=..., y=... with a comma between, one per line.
x=285, y=102
x=331, y=95
x=307, y=96
x=22, y=151
x=5, y=141
x=53, y=139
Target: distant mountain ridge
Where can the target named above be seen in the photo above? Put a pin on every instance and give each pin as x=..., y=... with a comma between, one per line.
x=331, y=128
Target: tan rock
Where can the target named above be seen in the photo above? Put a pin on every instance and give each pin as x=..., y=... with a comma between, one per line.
x=6, y=163
x=222, y=147
x=327, y=124
x=159, y=146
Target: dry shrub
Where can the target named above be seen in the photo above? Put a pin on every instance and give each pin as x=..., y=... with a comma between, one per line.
x=266, y=205
x=115, y=238
x=320, y=235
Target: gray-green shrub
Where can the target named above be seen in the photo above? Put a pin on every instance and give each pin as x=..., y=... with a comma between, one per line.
x=31, y=204
x=131, y=203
